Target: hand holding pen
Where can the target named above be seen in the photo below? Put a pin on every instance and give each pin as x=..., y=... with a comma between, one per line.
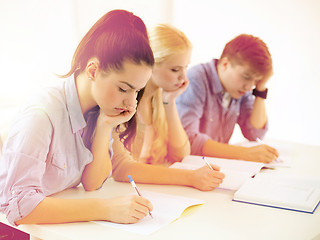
x=135, y=187
x=207, y=177
x=271, y=154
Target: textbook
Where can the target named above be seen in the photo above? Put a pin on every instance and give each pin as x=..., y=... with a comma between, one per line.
x=236, y=171
x=291, y=192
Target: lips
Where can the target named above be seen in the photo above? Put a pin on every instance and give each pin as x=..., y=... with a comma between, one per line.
x=242, y=93
x=120, y=110
x=178, y=85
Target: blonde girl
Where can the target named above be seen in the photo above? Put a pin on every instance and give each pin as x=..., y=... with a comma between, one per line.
x=159, y=138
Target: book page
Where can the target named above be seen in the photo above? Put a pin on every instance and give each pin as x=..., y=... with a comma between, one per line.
x=166, y=209
x=236, y=171
x=278, y=191
x=223, y=163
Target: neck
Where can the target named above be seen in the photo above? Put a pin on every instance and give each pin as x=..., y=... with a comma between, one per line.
x=150, y=89
x=84, y=94
x=219, y=71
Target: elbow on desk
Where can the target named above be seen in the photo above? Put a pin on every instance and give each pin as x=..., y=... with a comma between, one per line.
x=91, y=186
x=120, y=176
x=121, y=172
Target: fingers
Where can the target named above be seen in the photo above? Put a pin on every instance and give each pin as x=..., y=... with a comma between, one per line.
x=215, y=167
x=206, y=179
x=271, y=154
x=142, y=207
x=145, y=203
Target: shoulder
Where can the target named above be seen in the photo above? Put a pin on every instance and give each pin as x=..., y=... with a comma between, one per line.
x=32, y=119
x=51, y=100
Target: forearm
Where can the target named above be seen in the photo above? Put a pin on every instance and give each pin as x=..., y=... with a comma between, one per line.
x=153, y=174
x=221, y=150
x=176, y=134
x=99, y=169
x=55, y=210
x=258, y=118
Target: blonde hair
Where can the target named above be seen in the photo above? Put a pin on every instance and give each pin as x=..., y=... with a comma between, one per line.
x=165, y=40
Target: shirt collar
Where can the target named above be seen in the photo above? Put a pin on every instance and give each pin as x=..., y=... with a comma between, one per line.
x=215, y=78
x=73, y=105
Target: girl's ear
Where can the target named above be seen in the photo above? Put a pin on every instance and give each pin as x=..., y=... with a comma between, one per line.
x=92, y=68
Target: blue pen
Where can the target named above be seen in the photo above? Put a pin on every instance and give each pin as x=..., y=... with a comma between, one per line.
x=135, y=187
x=207, y=163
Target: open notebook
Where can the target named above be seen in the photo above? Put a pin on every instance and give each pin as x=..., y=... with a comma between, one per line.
x=292, y=192
x=236, y=171
x=166, y=209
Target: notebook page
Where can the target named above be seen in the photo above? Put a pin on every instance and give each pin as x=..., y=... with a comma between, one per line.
x=269, y=190
x=166, y=209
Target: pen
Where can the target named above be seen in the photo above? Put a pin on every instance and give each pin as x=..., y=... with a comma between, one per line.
x=207, y=163
x=135, y=187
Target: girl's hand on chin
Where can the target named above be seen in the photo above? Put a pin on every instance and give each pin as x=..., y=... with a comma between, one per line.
x=172, y=95
x=115, y=120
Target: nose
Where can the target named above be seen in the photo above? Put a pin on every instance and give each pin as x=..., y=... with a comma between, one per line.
x=131, y=101
x=183, y=74
x=249, y=85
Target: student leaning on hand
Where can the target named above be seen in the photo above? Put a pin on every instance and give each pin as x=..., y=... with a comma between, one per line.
x=225, y=92
x=61, y=138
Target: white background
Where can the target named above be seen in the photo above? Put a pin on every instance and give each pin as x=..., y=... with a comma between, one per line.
x=38, y=39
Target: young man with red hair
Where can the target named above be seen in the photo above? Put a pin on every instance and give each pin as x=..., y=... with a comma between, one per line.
x=225, y=92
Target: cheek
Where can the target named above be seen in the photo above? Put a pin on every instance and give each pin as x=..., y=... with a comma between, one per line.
x=167, y=80
x=107, y=98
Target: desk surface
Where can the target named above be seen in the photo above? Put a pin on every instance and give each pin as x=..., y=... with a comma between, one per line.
x=218, y=218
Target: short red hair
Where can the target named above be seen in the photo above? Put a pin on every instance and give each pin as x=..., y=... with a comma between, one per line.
x=251, y=50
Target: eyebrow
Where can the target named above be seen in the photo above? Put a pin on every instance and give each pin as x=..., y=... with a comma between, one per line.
x=129, y=85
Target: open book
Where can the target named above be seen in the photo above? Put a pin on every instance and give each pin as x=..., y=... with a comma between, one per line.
x=236, y=171
x=299, y=193
x=166, y=209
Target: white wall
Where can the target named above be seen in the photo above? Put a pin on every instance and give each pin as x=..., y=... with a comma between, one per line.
x=291, y=29
x=38, y=39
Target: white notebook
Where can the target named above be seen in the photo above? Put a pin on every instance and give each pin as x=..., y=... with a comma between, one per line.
x=166, y=209
x=236, y=171
x=299, y=193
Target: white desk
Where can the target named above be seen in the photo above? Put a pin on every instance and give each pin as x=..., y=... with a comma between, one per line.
x=218, y=218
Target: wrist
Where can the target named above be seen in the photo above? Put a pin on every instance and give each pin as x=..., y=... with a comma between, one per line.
x=260, y=93
x=168, y=102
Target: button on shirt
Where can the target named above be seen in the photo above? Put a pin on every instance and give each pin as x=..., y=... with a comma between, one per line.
x=206, y=112
x=44, y=152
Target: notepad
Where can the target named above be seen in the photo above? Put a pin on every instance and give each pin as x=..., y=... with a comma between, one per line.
x=299, y=193
x=166, y=209
x=236, y=171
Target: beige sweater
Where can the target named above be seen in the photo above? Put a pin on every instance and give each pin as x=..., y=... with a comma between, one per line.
x=121, y=156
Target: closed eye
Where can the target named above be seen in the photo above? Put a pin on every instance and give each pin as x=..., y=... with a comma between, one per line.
x=122, y=90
